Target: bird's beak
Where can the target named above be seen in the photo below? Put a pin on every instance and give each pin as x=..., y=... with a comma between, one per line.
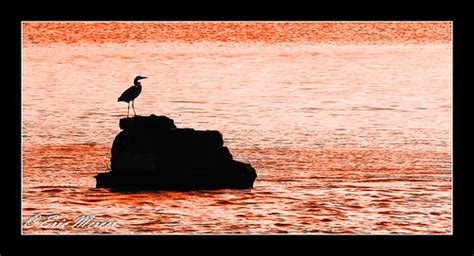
x=144, y=77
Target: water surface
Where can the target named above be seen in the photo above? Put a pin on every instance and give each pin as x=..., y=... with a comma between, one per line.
x=348, y=125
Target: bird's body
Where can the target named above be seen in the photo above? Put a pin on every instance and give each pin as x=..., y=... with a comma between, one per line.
x=131, y=93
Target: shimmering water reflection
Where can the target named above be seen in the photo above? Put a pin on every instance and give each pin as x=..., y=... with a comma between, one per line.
x=348, y=126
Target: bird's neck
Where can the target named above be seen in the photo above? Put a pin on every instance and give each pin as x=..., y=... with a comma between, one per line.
x=138, y=84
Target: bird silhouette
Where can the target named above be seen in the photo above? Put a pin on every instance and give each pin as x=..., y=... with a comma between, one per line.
x=131, y=93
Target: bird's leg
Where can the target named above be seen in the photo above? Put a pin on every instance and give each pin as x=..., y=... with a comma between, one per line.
x=133, y=106
x=128, y=109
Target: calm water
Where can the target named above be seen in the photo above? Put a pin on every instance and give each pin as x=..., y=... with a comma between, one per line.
x=348, y=125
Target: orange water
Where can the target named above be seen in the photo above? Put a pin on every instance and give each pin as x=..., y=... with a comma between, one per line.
x=347, y=124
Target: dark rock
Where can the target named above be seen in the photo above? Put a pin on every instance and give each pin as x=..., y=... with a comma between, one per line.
x=151, y=123
x=150, y=153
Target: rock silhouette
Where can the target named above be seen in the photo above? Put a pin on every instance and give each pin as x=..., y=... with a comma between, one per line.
x=151, y=153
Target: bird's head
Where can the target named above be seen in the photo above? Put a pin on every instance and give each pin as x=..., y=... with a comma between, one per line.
x=138, y=78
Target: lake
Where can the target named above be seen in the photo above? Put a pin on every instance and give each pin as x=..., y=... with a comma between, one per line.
x=348, y=125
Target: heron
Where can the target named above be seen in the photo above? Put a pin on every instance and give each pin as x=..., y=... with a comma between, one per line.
x=131, y=93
